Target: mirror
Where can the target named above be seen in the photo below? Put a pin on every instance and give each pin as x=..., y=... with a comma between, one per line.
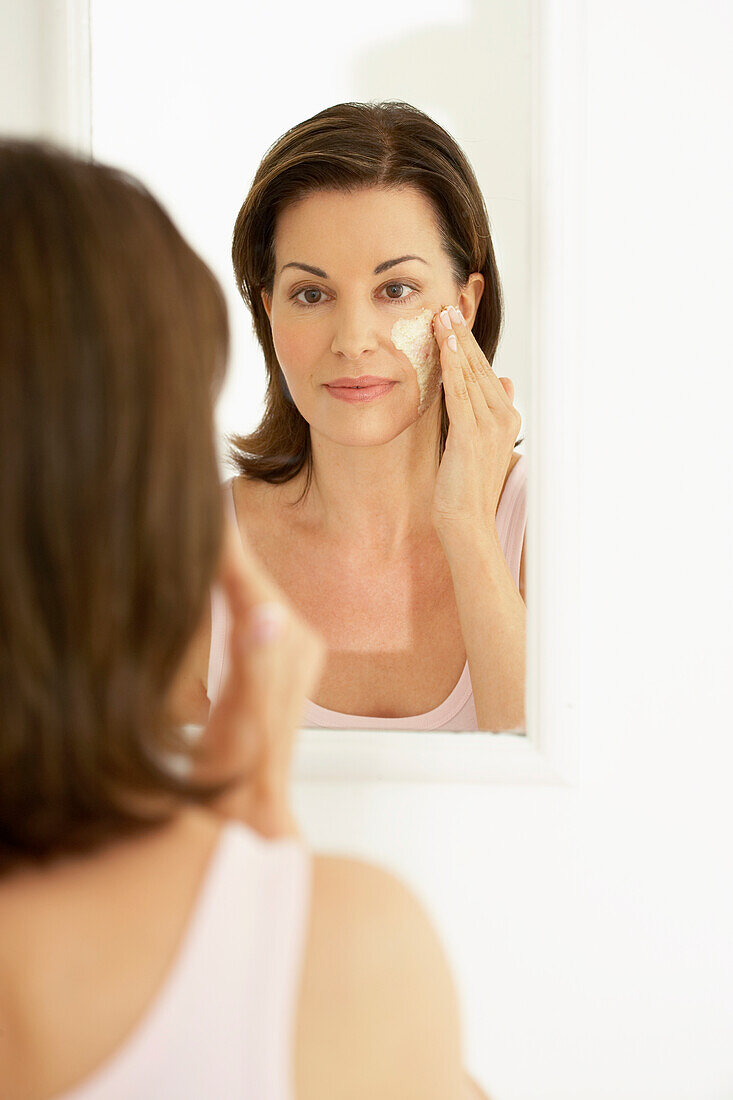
x=423, y=618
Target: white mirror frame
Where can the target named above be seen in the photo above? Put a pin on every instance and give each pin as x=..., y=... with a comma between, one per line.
x=547, y=753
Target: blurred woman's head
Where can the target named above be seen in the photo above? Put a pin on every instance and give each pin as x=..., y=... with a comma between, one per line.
x=113, y=343
x=340, y=195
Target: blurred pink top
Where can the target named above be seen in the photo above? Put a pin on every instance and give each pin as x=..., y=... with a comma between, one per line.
x=457, y=712
x=223, y=1024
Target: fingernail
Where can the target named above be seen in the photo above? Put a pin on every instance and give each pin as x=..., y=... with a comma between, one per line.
x=457, y=316
x=452, y=342
x=445, y=318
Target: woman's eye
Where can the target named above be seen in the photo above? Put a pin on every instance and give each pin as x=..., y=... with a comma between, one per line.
x=395, y=291
x=312, y=296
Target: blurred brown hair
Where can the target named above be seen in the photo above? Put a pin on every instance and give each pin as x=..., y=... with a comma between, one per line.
x=345, y=148
x=113, y=343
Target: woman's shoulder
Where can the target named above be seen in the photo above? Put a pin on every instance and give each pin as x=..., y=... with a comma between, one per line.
x=258, y=500
x=378, y=1012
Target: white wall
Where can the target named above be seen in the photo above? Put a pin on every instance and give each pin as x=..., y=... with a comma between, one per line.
x=22, y=98
x=44, y=77
x=590, y=927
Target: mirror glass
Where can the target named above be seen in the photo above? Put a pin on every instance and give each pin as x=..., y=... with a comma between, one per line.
x=404, y=544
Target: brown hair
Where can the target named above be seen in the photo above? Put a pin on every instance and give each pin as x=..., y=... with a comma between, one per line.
x=113, y=343
x=345, y=148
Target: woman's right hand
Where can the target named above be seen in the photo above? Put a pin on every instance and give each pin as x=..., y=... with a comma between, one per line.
x=276, y=660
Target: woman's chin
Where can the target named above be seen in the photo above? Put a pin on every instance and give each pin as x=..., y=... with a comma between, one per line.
x=375, y=434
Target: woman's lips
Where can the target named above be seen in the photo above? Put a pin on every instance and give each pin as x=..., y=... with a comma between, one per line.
x=362, y=380
x=359, y=390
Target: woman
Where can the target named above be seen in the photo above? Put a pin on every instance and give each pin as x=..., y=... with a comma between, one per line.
x=153, y=943
x=392, y=516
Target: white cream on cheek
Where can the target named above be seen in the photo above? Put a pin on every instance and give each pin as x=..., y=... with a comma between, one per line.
x=414, y=336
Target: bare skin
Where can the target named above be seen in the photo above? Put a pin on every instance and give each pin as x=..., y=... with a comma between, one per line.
x=368, y=667
x=394, y=649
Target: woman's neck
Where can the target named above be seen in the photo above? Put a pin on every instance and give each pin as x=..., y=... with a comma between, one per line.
x=379, y=496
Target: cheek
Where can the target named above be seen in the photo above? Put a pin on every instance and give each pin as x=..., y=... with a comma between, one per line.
x=295, y=346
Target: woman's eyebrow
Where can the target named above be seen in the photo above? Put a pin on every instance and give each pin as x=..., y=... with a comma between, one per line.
x=377, y=270
x=400, y=260
x=306, y=267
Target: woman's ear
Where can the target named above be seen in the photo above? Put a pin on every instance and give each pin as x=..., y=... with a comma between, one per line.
x=470, y=296
x=267, y=303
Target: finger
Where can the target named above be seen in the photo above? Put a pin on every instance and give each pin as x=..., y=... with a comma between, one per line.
x=455, y=386
x=493, y=391
x=444, y=330
x=236, y=731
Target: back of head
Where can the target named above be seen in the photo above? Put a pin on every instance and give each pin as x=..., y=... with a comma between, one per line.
x=113, y=341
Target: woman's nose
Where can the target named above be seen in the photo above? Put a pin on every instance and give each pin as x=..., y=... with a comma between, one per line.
x=355, y=332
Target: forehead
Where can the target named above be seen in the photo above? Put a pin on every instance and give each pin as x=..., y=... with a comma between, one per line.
x=332, y=228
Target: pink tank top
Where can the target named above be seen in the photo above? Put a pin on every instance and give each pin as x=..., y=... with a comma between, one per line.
x=458, y=711
x=223, y=1024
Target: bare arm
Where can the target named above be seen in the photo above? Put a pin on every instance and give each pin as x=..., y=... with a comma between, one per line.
x=493, y=621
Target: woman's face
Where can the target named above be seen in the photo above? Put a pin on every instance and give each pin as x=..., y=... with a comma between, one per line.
x=347, y=268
